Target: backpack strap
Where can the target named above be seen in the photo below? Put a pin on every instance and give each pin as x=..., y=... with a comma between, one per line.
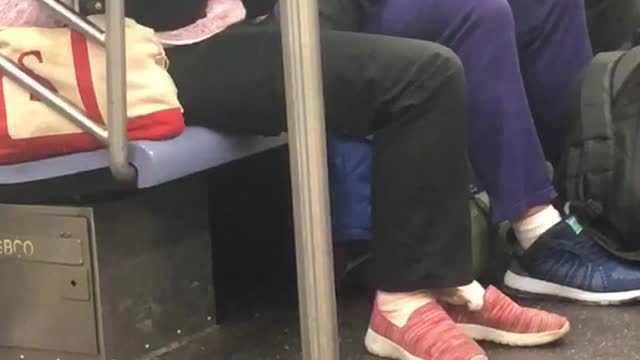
x=589, y=158
x=627, y=65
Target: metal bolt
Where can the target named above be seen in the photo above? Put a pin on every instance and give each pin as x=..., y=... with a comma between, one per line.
x=179, y=332
x=146, y=346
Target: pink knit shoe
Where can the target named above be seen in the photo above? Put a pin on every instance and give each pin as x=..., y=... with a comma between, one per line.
x=428, y=335
x=503, y=321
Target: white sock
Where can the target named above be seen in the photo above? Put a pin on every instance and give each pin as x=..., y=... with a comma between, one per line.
x=529, y=230
x=398, y=307
x=471, y=295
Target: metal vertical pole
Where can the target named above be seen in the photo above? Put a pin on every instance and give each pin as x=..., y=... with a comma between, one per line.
x=117, y=90
x=307, y=143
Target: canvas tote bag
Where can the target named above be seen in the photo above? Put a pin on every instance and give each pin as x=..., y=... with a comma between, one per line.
x=68, y=64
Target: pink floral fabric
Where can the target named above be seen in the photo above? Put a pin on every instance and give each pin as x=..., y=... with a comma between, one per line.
x=220, y=15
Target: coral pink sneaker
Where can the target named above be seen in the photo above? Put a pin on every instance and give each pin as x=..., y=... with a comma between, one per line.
x=503, y=321
x=430, y=334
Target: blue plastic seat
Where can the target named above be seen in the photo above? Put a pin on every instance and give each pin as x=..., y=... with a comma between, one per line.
x=70, y=207
x=157, y=162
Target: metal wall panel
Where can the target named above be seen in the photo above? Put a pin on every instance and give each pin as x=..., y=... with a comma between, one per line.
x=142, y=284
x=47, y=298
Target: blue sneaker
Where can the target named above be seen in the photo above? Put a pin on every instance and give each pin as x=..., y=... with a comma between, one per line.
x=567, y=263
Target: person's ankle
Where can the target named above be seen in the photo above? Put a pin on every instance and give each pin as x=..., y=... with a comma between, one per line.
x=398, y=307
x=536, y=222
x=471, y=296
x=532, y=212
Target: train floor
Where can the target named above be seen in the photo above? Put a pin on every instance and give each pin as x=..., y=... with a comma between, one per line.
x=255, y=285
x=265, y=327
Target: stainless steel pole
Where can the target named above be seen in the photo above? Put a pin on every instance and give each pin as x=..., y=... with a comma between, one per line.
x=117, y=91
x=307, y=143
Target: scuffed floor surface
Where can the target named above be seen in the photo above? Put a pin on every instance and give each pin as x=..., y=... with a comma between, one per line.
x=269, y=331
x=255, y=276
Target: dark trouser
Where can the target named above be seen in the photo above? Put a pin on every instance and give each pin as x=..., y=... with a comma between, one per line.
x=409, y=93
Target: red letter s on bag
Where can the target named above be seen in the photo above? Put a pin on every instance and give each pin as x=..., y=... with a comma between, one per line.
x=38, y=55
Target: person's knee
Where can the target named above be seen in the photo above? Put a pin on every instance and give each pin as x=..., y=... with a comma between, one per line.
x=495, y=14
x=423, y=76
x=410, y=58
x=437, y=77
x=438, y=63
x=568, y=7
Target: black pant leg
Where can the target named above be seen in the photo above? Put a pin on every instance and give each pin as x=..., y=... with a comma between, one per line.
x=408, y=93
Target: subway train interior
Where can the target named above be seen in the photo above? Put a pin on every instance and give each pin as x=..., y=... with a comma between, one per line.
x=209, y=245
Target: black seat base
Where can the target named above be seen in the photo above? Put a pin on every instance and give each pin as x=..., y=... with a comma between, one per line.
x=63, y=189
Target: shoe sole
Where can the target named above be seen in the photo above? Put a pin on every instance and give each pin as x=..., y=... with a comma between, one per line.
x=534, y=288
x=483, y=333
x=380, y=346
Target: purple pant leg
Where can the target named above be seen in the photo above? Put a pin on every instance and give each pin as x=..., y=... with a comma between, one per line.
x=554, y=48
x=505, y=149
